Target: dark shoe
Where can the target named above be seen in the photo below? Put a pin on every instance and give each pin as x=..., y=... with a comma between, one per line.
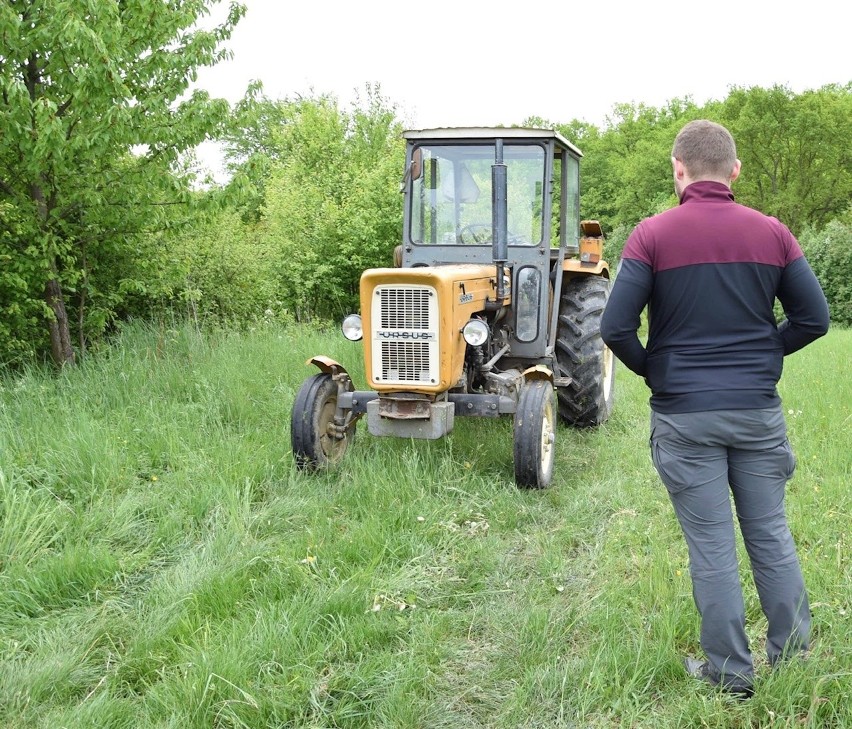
x=701, y=670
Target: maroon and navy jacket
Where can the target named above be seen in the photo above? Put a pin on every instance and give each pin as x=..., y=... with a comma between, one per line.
x=709, y=272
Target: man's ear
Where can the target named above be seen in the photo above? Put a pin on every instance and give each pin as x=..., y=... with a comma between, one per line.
x=735, y=173
x=678, y=168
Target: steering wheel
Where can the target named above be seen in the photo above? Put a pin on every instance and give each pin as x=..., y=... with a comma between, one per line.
x=479, y=232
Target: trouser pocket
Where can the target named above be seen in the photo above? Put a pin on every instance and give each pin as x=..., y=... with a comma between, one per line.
x=673, y=470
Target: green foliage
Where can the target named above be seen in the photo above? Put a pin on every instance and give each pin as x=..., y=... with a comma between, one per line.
x=795, y=150
x=218, y=269
x=332, y=206
x=253, y=144
x=614, y=244
x=97, y=199
x=829, y=252
x=626, y=168
x=312, y=202
x=95, y=118
x=21, y=305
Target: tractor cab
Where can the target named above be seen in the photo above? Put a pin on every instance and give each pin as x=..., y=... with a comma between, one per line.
x=511, y=200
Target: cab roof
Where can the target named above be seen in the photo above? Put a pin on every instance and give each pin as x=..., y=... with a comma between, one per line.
x=442, y=133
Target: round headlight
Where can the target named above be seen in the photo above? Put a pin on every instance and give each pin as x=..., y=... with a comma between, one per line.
x=352, y=328
x=475, y=332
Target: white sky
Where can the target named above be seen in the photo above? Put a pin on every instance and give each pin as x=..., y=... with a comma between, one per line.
x=477, y=63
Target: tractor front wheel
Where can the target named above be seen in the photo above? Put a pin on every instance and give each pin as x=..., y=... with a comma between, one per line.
x=535, y=435
x=313, y=433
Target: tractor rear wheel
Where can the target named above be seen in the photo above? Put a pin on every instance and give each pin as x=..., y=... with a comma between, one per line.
x=314, y=443
x=582, y=355
x=535, y=435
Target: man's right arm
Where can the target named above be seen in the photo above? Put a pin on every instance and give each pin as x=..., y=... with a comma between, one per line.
x=621, y=318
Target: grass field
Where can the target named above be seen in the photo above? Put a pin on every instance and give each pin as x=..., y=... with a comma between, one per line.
x=163, y=564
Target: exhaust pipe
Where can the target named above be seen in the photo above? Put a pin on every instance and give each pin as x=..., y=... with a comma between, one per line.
x=499, y=218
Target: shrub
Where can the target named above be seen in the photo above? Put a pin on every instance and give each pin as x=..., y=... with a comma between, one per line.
x=220, y=269
x=829, y=252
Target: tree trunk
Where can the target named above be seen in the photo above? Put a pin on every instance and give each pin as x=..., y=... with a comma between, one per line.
x=60, y=332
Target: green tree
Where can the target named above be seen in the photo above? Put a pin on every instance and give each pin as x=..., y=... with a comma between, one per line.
x=332, y=205
x=796, y=151
x=96, y=115
x=595, y=198
x=253, y=144
x=635, y=165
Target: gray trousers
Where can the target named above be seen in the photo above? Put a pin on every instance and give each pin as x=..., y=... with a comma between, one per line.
x=702, y=459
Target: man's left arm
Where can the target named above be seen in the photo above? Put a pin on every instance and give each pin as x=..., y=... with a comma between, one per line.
x=804, y=304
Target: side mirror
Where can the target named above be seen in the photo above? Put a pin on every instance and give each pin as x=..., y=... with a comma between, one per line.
x=417, y=164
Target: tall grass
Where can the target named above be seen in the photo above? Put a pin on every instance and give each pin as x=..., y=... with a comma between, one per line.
x=163, y=564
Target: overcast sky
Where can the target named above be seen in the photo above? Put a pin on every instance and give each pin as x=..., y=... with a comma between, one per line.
x=477, y=63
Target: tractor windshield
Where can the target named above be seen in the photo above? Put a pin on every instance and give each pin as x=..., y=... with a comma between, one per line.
x=451, y=194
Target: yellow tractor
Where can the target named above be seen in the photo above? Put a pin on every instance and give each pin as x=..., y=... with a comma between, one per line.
x=492, y=308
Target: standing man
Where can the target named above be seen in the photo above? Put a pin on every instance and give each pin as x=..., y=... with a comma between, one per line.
x=709, y=272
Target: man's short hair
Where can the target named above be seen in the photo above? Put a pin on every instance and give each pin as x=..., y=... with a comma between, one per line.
x=706, y=149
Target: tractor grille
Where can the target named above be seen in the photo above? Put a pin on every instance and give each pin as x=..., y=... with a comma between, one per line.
x=405, y=362
x=405, y=340
x=405, y=308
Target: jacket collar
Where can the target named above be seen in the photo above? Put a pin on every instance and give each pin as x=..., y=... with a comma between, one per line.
x=707, y=191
